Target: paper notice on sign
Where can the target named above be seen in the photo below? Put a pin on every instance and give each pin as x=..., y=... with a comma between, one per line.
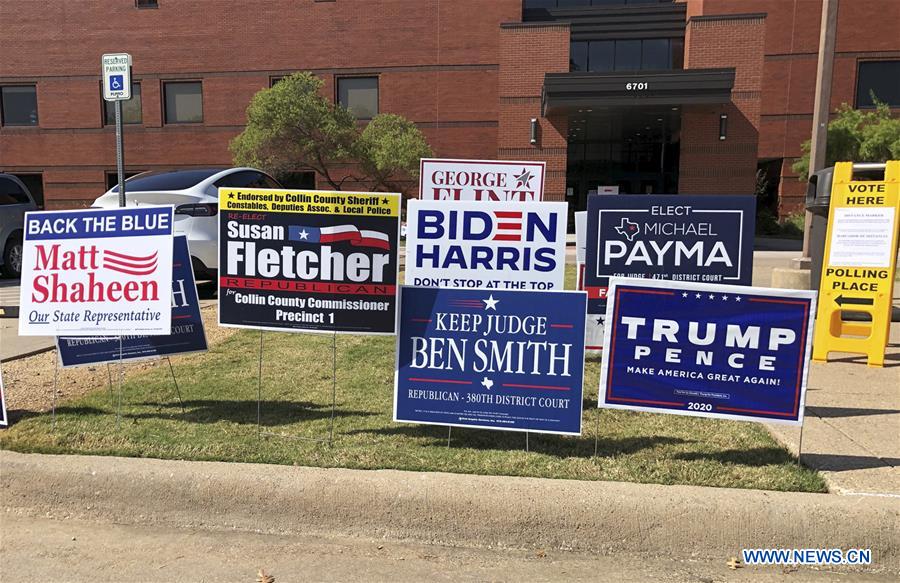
x=862, y=236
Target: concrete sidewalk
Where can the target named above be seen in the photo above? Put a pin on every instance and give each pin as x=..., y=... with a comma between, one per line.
x=605, y=518
x=851, y=432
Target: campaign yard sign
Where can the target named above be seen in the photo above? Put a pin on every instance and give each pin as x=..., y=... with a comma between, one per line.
x=481, y=180
x=187, y=325
x=491, y=245
x=511, y=360
x=708, y=350
x=707, y=239
x=97, y=272
x=308, y=260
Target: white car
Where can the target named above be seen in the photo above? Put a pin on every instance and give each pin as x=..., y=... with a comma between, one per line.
x=194, y=193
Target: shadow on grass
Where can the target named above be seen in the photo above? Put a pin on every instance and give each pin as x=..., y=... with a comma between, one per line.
x=244, y=412
x=759, y=456
x=555, y=445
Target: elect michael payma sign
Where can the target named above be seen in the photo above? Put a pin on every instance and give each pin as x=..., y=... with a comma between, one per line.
x=308, y=260
x=709, y=350
x=491, y=245
x=481, y=180
x=97, y=272
x=503, y=359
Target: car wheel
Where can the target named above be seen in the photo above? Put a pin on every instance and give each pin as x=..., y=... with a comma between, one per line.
x=12, y=258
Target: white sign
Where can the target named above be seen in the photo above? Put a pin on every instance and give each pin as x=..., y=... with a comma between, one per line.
x=493, y=245
x=97, y=272
x=481, y=180
x=3, y=419
x=593, y=323
x=116, y=69
x=862, y=237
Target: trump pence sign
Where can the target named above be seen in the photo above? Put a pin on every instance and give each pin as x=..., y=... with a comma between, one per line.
x=308, y=260
x=97, y=272
x=491, y=245
x=510, y=360
x=707, y=350
x=481, y=180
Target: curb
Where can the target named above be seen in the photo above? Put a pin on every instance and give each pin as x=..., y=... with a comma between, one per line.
x=464, y=510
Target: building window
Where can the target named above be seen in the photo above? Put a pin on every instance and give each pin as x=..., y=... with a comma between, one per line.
x=359, y=95
x=146, y=4
x=601, y=56
x=18, y=105
x=878, y=78
x=131, y=108
x=183, y=101
x=35, y=185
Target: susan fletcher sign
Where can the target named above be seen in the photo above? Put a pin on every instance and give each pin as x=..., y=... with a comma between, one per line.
x=97, y=272
x=708, y=350
x=187, y=325
x=311, y=260
x=511, y=360
x=481, y=180
x=491, y=245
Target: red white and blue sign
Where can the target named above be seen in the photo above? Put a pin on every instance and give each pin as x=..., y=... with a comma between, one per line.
x=703, y=239
x=187, y=326
x=490, y=359
x=708, y=350
x=97, y=272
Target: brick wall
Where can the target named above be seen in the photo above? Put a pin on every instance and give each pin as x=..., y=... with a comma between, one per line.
x=437, y=63
x=708, y=164
x=527, y=52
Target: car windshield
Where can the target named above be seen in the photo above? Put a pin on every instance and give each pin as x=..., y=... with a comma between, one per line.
x=171, y=180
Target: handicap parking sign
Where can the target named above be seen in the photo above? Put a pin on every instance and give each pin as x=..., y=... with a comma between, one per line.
x=116, y=82
x=116, y=69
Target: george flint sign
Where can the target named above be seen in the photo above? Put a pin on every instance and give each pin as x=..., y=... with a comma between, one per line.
x=511, y=360
x=707, y=350
x=187, y=326
x=481, y=180
x=97, y=272
x=491, y=245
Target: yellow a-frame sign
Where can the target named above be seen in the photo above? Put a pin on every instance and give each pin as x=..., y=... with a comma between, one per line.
x=859, y=264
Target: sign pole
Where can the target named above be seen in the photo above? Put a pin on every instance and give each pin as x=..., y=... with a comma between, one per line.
x=259, y=389
x=55, y=384
x=119, y=400
x=333, y=385
x=120, y=153
x=175, y=381
x=449, y=431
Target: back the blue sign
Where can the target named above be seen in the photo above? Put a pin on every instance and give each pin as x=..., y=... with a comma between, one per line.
x=187, y=334
x=497, y=359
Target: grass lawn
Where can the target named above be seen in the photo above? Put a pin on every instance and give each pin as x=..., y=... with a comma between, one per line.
x=220, y=423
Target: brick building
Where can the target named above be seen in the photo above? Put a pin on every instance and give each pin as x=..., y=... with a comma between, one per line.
x=690, y=96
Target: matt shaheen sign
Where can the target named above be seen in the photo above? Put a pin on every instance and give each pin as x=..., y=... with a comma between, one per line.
x=481, y=180
x=308, y=260
x=97, y=272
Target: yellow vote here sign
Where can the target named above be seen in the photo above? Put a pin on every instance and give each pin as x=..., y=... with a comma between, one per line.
x=858, y=265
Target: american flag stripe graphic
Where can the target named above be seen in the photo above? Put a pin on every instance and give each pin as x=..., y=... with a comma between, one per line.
x=509, y=226
x=129, y=264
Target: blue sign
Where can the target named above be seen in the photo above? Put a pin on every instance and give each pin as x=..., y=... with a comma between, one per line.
x=708, y=350
x=116, y=82
x=704, y=239
x=511, y=360
x=187, y=325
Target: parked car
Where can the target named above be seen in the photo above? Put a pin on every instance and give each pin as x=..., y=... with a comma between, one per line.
x=194, y=193
x=15, y=201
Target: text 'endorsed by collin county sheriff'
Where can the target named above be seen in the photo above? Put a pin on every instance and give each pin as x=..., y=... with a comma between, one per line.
x=303, y=202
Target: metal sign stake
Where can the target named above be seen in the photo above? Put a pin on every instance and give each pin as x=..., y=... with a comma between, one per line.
x=119, y=400
x=175, y=382
x=800, y=446
x=120, y=153
x=259, y=388
x=449, y=431
x=333, y=385
x=55, y=383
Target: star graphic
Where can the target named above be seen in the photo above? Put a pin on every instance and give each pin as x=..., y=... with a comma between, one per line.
x=600, y=320
x=737, y=299
x=487, y=383
x=684, y=294
x=304, y=235
x=385, y=201
x=698, y=296
x=724, y=298
x=490, y=303
x=712, y=296
x=524, y=179
x=230, y=195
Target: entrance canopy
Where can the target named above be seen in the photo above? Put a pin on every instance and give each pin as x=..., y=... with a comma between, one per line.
x=566, y=93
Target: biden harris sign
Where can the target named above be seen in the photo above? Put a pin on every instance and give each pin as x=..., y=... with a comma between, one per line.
x=491, y=245
x=308, y=260
x=97, y=272
x=707, y=350
x=490, y=359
